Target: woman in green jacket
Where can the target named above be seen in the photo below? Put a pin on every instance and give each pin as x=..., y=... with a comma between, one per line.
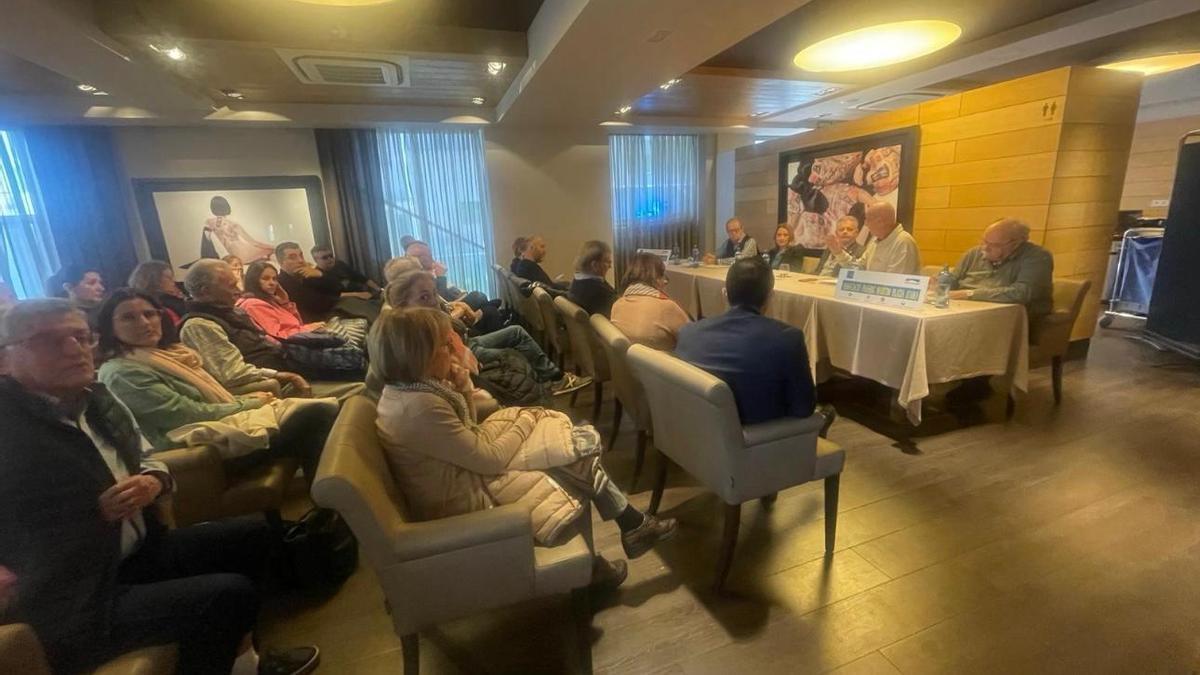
x=164, y=385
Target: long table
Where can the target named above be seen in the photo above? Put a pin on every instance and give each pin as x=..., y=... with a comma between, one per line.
x=905, y=349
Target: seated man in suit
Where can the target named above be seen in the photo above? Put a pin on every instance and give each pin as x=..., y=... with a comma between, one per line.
x=590, y=288
x=846, y=231
x=764, y=361
x=890, y=249
x=96, y=572
x=529, y=265
x=350, y=279
x=319, y=295
x=1006, y=267
x=738, y=245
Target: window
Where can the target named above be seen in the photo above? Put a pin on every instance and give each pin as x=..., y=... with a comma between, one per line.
x=27, y=255
x=435, y=189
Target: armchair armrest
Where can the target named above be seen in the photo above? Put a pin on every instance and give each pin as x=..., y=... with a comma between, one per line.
x=784, y=427
x=199, y=477
x=411, y=541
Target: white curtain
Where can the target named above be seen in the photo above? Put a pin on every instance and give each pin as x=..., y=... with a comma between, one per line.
x=27, y=254
x=435, y=189
x=656, y=193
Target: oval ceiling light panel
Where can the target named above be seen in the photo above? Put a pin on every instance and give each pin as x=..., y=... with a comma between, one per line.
x=1155, y=65
x=876, y=46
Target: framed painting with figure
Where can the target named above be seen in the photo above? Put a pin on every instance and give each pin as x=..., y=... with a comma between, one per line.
x=822, y=185
x=188, y=219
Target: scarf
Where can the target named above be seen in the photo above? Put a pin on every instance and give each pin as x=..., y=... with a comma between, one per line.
x=439, y=389
x=646, y=290
x=184, y=364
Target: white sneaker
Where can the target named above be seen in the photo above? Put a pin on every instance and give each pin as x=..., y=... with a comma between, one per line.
x=570, y=382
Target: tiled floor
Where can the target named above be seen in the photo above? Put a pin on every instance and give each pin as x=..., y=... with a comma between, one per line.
x=1064, y=541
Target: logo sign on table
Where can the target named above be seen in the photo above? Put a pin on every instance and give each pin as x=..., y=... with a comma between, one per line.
x=882, y=288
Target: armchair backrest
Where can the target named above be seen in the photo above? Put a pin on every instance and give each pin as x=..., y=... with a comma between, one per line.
x=354, y=479
x=584, y=344
x=630, y=392
x=551, y=323
x=693, y=413
x=524, y=305
x=1053, y=335
x=502, y=287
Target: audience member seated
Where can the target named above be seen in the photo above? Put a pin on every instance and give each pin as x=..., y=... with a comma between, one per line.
x=236, y=264
x=350, y=279
x=82, y=285
x=417, y=288
x=529, y=265
x=644, y=313
x=97, y=574
x=846, y=231
x=318, y=295
x=517, y=247
x=890, y=249
x=393, y=268
x=485, y=313
x=447, y=463
x=177, y=403
x=590, y=289
x=156, y=279
x=738, y=245
x=764, y=361
x=1006, y=267
x=269, y=306
x=233, y=349
x=785, y=253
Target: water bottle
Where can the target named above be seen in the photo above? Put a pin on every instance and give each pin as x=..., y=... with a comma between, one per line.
x=767, y=258
x=945, y=280
x=674, y=254
x=695, y=259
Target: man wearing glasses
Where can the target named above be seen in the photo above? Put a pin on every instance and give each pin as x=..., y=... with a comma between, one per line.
x=1007, y=268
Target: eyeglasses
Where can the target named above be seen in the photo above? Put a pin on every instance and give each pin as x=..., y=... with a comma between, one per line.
x=53, y=341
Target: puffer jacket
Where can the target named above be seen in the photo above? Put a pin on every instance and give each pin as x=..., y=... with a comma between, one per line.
x=444, y=468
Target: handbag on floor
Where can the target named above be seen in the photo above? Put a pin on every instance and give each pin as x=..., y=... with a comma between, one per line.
x=320, y=551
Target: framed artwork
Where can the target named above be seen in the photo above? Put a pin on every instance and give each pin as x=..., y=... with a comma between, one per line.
x=820, y=185
x=188, y=219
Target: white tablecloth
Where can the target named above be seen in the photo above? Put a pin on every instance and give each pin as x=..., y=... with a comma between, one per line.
x=905, y=349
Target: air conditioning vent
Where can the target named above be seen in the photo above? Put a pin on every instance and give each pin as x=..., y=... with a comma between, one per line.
x=344, y=69
x=899, y=101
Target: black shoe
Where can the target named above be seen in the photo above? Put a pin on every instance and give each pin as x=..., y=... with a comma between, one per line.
x=295, y=661
x=608, y=575
x=641, y=539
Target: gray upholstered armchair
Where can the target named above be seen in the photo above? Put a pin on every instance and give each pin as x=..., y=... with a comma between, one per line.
x=585, y=351
x=440, y=570
x=696, y=426
x=630, y=395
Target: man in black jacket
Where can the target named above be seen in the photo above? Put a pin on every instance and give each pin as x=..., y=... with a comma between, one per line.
x=590, y=289
x=529, y=267
x=96, y=573
x=317, y=295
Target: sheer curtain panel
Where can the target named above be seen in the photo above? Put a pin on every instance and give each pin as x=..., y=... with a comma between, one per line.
x=656, y=193
x=435, y=188
x=27, y=254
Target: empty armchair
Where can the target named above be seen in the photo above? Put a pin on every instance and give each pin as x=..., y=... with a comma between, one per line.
x=525, y=305
x=696, y=426
x=440, y=570
x=630, y=395
x=556, y=344
x=1050, y=335
x=585, y=350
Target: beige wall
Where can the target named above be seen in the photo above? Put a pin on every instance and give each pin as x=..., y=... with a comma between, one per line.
x=549, y=182
x=1152, y=159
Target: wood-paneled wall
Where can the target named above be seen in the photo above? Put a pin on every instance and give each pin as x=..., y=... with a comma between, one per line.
x=1152, y=159
x=1049, y=148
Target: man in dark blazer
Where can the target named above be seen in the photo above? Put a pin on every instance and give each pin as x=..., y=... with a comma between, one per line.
x=529, y=265
x=96, y=573
x=764, y=361
x=590, y=288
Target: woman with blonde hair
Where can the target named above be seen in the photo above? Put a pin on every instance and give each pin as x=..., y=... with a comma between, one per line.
x=447, y=463
x=644, y=313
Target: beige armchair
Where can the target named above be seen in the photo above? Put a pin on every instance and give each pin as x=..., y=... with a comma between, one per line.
x=21, y=652
x=526, y=306
x=440, y=570
x=630, y=395
x=696, y=426
x=556, y=339
x=585, y=350
x=204, y=490
x=1051, y=335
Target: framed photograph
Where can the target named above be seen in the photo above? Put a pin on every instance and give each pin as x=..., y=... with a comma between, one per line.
x=188, y=219
x=820, y=185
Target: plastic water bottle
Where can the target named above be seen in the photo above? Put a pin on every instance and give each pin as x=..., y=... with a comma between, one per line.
x=767, y=258
x=945, y=280
x=674, y=254
x=695, y=259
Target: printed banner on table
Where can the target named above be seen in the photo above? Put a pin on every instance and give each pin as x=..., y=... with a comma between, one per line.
x=882, y=288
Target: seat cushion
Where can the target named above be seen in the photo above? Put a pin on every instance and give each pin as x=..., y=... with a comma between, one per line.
x=830, y=458
x=559, y=569
x=158, y=660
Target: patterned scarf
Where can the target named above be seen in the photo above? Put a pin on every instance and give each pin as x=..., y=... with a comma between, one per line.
x=439, y=389
x=644, y=289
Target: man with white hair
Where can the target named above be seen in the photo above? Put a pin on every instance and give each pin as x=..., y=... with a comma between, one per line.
x=890, y=249
x=1007, y=268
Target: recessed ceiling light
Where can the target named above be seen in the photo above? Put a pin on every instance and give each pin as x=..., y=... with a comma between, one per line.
x=496, y=67
x=1154, y=65
x=478, y=100
x=82, y=86
x=173, y=53
x=233, y=93
x=615, y=123
x=624, y=109
x=827, y=91
x=99, y=93
x=739, y=126
x=760, y=113
x=876, y=46
x=668, y=84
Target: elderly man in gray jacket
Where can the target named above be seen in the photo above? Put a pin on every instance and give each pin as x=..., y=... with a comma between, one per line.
x=1007, y=268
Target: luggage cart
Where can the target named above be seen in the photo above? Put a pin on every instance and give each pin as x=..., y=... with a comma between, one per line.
x=1136, y=266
